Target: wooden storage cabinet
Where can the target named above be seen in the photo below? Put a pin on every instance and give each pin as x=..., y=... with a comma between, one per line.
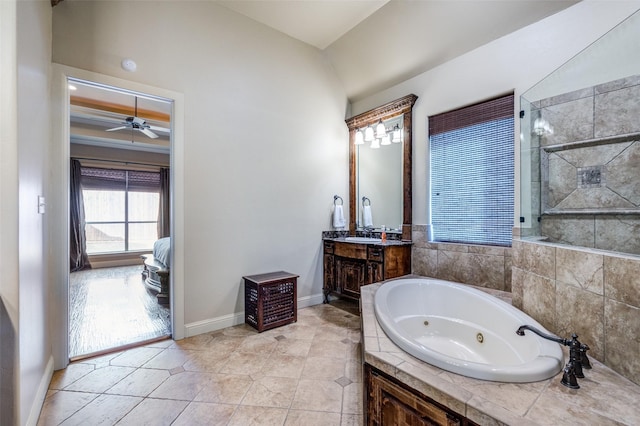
x=270, y=300
x=349, y=266
x=388, y=402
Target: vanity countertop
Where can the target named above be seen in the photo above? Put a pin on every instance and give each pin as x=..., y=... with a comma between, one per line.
x=386, y=243
x=604, y=397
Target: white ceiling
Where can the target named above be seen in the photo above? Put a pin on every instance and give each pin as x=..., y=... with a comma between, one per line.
x=375, y=44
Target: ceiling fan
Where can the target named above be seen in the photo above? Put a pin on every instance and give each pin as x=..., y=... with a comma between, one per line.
x=137, y=123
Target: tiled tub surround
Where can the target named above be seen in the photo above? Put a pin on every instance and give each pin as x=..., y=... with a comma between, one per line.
x=590, y=166
x=604, y=396
x=483, y=266
x=594, y=293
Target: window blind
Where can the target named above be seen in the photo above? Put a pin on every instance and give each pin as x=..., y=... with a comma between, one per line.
x=471, y=164
x=114, y=179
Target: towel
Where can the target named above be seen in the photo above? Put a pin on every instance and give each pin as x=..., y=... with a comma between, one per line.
x=338, y=217
x=367, y=219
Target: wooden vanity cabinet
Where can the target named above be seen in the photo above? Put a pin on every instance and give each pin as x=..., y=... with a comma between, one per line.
x=389, y=402
x=349, y=266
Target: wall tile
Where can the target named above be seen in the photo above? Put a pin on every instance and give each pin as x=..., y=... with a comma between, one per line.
x=539, y=298
x=616, y=112
x=618, y=233
x=567, y=97
x=622, y=339
x=579, y=311
x=517, y=279
x=622, y=173
x=470, y=268
x=537, y=258
x=580, y=268
x=621, y=280
x=571, y=121
x=569, y=229
x=622, y=83
x=424, y=262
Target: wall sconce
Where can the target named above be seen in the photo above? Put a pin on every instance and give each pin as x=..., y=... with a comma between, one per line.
x=541, y=127
x=397, y=134
x=381, y=131
x=368, y=134
x=359, y=137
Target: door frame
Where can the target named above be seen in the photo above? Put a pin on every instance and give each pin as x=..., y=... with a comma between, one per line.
x=58, y=208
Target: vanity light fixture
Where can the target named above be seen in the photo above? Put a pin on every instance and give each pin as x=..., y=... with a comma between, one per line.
x=375, y=144
x=397, y=134
x=380, y=130
x=368, y=134
x=359, y=137
x=386, y=140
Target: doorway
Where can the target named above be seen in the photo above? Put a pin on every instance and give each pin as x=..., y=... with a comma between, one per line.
x=120, y=148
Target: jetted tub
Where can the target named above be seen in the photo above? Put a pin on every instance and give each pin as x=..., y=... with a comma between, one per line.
x=464, y=330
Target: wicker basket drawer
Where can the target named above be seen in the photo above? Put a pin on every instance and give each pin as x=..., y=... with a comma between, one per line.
x=270, y=300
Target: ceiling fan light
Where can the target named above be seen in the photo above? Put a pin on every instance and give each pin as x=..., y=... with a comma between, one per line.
x=359, y=137
x=368, y=134
x=380, y=130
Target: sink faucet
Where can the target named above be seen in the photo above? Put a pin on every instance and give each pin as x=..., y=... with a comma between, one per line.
x=577, y=355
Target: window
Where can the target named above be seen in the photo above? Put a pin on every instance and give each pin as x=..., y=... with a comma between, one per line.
x=471, y=153
x=121, y=209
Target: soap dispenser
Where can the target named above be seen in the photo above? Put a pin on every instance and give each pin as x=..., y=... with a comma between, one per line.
x=383, y=236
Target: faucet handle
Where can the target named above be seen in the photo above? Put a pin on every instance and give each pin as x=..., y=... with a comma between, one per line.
x=584, y=360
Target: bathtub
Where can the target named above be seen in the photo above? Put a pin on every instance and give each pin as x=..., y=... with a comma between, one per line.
x=464, y=330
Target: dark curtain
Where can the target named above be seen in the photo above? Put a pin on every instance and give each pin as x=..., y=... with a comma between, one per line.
x=163, y=210
x=78, y=240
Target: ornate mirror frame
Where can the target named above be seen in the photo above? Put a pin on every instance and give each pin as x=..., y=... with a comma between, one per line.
x=384, y=112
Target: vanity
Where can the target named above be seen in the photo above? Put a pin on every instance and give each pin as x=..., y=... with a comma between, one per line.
x=379, y=200
x=351, y=265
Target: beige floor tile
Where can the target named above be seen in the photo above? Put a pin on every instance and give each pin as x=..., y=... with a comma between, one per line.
x=244, y=363
x=279, y=365
x=318, y=395
x=323, y=368
x=298, y=331
x=135, y=357
x=312, y=418
x=257, y=344
x=199, y=342
x=103, y=410
x=183, y=386
x=328, y=349
x=266, y=416
x=295, y=347
x=210, y=361
x=352, y=420
x=100, y=379
x=156, y=412
x=205, y=414
x=61, y=405
x=224, y=388
x=353, y=370
x=271, y=392
x=73, y=372
x=141, y=382
x=169, y=359
x=352, y=399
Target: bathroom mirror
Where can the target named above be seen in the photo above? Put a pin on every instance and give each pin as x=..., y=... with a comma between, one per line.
x=382, y=175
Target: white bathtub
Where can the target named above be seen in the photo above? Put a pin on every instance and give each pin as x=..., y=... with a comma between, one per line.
x=464, y=330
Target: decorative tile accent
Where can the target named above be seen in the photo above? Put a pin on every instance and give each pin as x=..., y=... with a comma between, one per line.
x=343, y=381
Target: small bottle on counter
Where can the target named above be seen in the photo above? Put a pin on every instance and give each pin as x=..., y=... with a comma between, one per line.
x=383, y=236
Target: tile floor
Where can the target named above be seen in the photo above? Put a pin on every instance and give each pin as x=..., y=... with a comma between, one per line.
x=306, y=373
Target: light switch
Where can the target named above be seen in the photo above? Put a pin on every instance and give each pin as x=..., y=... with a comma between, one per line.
x=41, y=204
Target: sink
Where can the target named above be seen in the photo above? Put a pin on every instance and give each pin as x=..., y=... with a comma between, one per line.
x=363, y=240
x=464, y=330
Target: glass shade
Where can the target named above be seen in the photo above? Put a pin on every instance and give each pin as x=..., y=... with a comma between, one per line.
x=368, y=134
x=359, y=137
x=375, y=144
x=386, y=140
x=380, y=130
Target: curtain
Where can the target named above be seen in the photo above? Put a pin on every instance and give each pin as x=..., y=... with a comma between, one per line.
x=78, y=241
x=163, y=210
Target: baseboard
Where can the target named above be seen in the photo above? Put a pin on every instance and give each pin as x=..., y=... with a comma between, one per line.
x=214, y=324
x=41, y=394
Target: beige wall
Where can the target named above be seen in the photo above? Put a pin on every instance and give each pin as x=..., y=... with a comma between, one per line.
x=265, y=143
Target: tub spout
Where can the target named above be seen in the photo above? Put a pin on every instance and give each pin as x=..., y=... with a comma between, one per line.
x=577, y=355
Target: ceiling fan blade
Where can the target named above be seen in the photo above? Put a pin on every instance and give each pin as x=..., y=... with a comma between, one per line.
x=117, y=128
x=148, y=132
x=160, y=129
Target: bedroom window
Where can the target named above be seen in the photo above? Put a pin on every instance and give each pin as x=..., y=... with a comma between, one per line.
x=471, y=153
x=121, y=209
